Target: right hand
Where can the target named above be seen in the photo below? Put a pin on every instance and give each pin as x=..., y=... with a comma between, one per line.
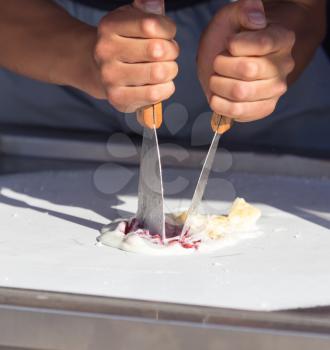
x=136, y=54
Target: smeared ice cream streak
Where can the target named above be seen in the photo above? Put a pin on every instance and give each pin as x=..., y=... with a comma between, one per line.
x=133, y=226
x=206, y=233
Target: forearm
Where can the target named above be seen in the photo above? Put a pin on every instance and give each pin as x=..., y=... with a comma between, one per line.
x=307, y=18
x=41, y=40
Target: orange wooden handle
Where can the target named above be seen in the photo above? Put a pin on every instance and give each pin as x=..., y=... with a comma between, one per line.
x=151, y=116
x=221, y=124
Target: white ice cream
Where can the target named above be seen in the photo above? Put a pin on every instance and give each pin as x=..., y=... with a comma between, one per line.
x=207, y=232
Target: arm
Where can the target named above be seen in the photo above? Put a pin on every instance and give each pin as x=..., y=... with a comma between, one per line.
x=307, y=19
x=252, y=49
x=129, y=59
x=41, y=40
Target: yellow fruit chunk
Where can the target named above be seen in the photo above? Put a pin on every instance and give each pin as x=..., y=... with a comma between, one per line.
x=177, y=218
x=217, y=226
x=242, y=214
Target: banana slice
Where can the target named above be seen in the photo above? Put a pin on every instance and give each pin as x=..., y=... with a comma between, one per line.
x=243, y=215
x=180, y=217
x=218, y=227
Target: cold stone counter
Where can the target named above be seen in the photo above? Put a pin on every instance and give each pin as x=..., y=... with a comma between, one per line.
x=50, y=222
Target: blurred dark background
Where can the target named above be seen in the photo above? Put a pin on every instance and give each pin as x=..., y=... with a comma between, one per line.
x=326, y=43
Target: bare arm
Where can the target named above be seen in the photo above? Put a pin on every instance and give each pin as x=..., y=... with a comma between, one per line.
x=129, y=59
x=41, y=40
x=253, y=49
x=307, y=19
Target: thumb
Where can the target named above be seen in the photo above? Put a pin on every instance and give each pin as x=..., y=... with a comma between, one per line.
x=150, y=6
x=251, y=14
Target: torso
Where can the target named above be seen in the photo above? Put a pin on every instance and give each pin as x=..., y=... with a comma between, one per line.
x=110, y=4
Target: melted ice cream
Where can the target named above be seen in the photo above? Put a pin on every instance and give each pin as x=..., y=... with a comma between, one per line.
x=207, y=233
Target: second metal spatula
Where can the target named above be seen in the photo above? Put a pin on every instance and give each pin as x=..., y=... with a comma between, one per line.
x=220, y=125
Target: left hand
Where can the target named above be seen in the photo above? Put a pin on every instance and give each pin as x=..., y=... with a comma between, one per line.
x=243, y=64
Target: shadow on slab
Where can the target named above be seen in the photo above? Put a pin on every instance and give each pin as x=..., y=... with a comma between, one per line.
x=306, y=199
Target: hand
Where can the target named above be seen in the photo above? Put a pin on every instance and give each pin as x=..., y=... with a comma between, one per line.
x=243, y=64
x=136, y=54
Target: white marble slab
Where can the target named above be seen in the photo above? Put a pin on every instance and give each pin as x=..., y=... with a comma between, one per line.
x=50, y=221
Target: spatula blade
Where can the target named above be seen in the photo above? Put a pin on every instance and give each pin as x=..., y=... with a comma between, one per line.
x=202, y=182
x=151, y=194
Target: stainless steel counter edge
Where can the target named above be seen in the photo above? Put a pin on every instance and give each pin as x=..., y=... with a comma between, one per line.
x=47, y=320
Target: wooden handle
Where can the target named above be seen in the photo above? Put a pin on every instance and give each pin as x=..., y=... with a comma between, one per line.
x=151, y=116
x=221, y=124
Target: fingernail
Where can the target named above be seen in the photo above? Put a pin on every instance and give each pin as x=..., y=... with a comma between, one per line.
x=257, y=18
x=153, y=6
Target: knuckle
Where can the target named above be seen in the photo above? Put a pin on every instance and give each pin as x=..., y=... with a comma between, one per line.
x=291, y=38
x=270, y=107
x=170, y=89
x=153, y=94
x=109, y=74
x=235, y=109
x=249, y=70
x=213, y=83
x=104, y=49
x=170, y=28
x=155, y=49
x=176, y=50
x=267, y=108
x=157, y=73
x=290, y=64
x=173, y=30
x=106, y=25
x=266, y=42
x=232, y=46
x=214, y=104
x=121, y=108
x=282, y=88
x=104, y=73
x=114, y=96
x=238, y=91
x=100, y=51
x=217, y=64
x=149, y=26
x=103, y=25
x=175, y=69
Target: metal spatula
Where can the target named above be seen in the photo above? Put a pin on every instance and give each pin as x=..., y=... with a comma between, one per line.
x=220, y=125
x=151, y=194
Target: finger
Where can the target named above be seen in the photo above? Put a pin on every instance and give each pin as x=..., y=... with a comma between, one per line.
x=130, y=50
x=251, y=14
x=243, y=111
x=244, y=14
x=130, y=22
x=260, y=43
x=129, y=99
x=253, y=68
x=247, y=91
x=146, y=50
x=122, y=74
